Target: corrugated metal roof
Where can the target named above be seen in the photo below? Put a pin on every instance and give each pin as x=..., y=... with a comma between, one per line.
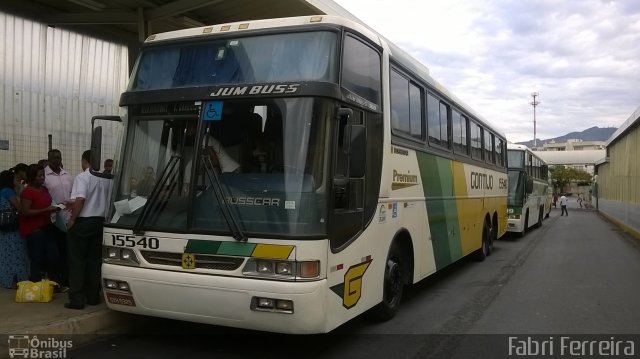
x=131, y=21
x=630, y=123
x=586, y=157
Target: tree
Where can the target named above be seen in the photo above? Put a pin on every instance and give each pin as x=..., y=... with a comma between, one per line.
x=561, y=176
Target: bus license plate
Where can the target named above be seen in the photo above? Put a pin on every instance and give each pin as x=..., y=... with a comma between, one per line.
x=121, y=299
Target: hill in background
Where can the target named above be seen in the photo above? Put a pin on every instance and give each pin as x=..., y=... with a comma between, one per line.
x=590, y=134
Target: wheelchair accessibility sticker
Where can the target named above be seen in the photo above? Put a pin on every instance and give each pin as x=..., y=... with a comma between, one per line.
x=212, y=111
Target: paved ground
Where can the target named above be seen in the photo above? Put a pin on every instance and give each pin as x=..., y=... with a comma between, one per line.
x=53, y=318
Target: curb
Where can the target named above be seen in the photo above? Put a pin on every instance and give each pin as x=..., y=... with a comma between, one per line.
x=81, y=329
x=104, y=321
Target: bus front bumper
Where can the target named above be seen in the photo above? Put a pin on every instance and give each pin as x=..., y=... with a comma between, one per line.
x=217, y=300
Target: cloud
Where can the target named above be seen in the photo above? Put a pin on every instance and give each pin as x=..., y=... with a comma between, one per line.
x=581, y=56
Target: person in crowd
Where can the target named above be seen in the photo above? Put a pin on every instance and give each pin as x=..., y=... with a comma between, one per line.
x=21, y=173
x=563, y=205
x=59, y=183
x=13, y=251
x=555, y=200
x=36, y=227
x=57, y=180
x=43, y=162
x=108, y=166
x=89, y=203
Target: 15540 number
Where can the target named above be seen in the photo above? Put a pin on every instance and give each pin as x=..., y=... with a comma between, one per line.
x=121, y=240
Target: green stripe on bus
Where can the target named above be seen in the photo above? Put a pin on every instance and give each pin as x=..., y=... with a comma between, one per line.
x=221, y=248
x=236, y=249
x=437, y=182
x=202, y=247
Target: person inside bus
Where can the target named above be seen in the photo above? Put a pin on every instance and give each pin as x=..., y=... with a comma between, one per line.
x=218, y=154
x=254, y=146
x=108, y=166
x=146, y=184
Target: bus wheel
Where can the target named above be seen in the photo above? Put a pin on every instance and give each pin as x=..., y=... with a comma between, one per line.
x=393, y=286
x=485, y=249
x=526, y=225
x=540, y=216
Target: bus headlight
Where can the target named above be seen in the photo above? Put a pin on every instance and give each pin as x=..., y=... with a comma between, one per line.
x=280, y=269
x=117, y=255
x=264, y=267
x=284, y=268
x=113, y=253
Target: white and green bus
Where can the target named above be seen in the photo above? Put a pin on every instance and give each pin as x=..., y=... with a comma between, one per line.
x=530, y=197
x=304, y=171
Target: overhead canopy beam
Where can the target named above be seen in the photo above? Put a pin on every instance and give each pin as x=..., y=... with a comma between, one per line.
x=176, y=8
x=91, y=18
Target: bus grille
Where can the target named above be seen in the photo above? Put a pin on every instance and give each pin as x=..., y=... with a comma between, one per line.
x=203, y=261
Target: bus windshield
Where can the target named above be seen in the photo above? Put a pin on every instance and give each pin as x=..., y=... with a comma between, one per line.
x=515, y=159
x=306, y=56
x=516, y=188
x=268, y=155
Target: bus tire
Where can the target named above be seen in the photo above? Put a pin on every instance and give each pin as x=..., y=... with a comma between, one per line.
x=485, y=249
x=526, y=225
x=393, y=286
x=494, y=232
x=540, y=216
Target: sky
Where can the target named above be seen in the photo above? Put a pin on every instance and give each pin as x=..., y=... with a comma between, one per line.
x=581, y=56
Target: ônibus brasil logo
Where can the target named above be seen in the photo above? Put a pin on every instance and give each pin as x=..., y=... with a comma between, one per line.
x=25, y=346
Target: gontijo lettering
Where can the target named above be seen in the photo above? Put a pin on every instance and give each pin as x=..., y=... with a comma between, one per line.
x=481, y=181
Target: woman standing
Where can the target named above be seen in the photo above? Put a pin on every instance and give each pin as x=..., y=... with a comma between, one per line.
x=13, y=251
x=37, y=229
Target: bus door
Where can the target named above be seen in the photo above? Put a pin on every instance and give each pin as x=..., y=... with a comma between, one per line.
x=346, y=213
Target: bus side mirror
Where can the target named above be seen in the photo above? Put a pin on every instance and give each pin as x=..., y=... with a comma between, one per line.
x=106, y=135
x=96, y=148
x=529, y=185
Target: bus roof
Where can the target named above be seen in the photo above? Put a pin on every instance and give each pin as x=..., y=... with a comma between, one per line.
x=396, y=53
x=243, y=26
x=515, y=146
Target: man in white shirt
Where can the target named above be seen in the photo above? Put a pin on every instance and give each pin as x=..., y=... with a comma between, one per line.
x=59, y=183
x=220, y=157
x=563, y=205
x=89, y=199
x=56, y=179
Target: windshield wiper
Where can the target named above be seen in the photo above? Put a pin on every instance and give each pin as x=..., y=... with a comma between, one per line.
x=225, y=207
x=167, y=171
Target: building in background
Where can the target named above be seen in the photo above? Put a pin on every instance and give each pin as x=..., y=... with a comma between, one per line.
x=572, y=145
x=53, y=81
x=617, y=189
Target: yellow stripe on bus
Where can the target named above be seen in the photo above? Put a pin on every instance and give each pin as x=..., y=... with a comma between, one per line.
x=468, y=209
x=272, y=251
